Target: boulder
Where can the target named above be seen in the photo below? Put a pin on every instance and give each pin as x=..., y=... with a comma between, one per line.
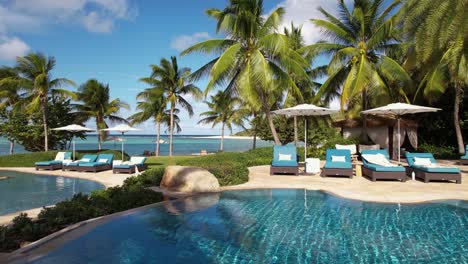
x=189, y=180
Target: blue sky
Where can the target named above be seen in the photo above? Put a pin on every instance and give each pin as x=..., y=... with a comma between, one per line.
x=115, y=41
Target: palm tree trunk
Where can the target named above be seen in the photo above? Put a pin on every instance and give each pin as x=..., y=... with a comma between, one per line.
x=272, y=127
x=99, y=138
x=12, y=147
x=171, y=129
x=221, y=147
x=296, y=139
x=456, y=118
x=158, y=133
x=44, y=122
x=254, y=143
x=364, y=137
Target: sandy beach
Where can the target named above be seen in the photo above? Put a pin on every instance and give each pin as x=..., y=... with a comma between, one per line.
x=226, y=137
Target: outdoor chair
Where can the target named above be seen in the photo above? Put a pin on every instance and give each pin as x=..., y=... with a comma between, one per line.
x=377, y=166
x=135, y=163
x=338, y=163
x=54, y=164
x=464, y=158
x=284, y=160
x=102, y=163
x=351, y=148
x=74, y=165
x=425, y=167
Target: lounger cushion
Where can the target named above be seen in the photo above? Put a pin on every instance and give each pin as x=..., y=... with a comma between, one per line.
x=376, y=167
x=48, y=163
x=91, y=164
x=124, y=166
x=338, y=165
x=137, y=160
x=437, y=169
x=284, y=163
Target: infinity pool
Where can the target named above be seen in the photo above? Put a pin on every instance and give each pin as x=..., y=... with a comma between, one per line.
x=22, y=191
x=274, y=226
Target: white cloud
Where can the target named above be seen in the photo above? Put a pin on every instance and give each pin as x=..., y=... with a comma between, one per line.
x=10, y=48
x=184, y=41
x=301, y=11
x=93, y=22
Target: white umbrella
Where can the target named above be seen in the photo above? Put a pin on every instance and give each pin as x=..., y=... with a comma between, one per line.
x=73, y=128
x=397, y=110
x=305, y=110
x=122, y=129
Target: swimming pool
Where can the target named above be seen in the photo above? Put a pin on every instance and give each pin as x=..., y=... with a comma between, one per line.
x=274, y=226
x=22, y=191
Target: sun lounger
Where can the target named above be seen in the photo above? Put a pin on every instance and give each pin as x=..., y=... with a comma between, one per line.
x=377, y=166
x=74, y=165
x=464, y=159
x=54, y=164
x=284, y=160
x=351, y=148
x=130, y=166
x=425, y=167
x=338, y=163
x=102, y=163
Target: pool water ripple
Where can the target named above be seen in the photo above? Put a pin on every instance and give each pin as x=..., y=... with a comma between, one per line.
x=276, y=226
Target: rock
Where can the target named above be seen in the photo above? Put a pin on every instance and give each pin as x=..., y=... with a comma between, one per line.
x=189, y=180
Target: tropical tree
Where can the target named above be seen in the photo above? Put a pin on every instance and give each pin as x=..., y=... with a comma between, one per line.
x=153, y=105
x=173, y=82
x=359, y=42
x=9, y=99
x=253, y=61
x=96, y=103
x=35, y=77
x=225, y=110
x=439, y=33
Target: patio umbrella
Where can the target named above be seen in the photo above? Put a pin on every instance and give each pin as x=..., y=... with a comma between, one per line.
x=305, y=110
x=397, y=110
x=73, y=128
x=122, y=129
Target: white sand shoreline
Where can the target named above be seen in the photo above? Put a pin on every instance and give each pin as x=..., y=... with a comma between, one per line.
x=226, y=137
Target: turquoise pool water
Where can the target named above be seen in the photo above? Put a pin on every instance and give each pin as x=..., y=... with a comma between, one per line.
x=22, y=191
x=276, y=226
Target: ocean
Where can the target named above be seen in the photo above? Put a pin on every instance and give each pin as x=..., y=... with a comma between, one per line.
x=137, y=144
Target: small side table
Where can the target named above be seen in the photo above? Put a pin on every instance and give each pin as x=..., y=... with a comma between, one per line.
x=312, y=165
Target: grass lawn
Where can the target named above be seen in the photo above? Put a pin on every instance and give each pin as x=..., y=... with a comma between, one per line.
x=163, y=161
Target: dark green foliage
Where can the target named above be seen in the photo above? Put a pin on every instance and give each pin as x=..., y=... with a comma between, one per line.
x=133, y=193
x=284, y=127
x=323, y=137
x=28, y=159
x=440, y=152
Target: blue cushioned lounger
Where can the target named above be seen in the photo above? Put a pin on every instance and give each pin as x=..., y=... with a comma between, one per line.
x=380, y=172
x=130, y=167
x=103, y=162
x=53, y=164
x=433, y=171
x=284, y=160
x=464, y=158
x=341, y=166
x=74, y=166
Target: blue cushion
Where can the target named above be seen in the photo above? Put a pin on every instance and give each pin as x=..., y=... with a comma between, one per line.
x=109, y=157
x=68, y=156
x=465, y=157
x=375, y=167
x=338, y=152
x=48, y=163
x=123, y=166
x=284, y=163
x=410, y=157
x=285, y=150
x=91, y=164
x=338, y=165
x=91, y=157
x=437, y=170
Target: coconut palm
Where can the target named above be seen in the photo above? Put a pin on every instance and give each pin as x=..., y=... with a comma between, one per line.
x=359, y=42
x=440, y=51
x=173, y=82
x=10, y=96
x=154, y=105
x=35, y=77
x=96, y=104
x=253, y=61
x=224, y=110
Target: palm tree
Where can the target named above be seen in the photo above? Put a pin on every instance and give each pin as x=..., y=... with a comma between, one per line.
x=224, y=110
x=153, y=105
x=359, y=42
x=440, y=51
x=173, y=83
x=34, y=75
x=9, y=95
x=255, y=60
x=97, y=104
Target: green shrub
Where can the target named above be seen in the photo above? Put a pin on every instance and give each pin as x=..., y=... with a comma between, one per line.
x=440, y=152
x=150, y=177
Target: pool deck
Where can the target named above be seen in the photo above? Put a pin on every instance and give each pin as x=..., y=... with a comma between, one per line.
x=107, y=178
x=361, y=188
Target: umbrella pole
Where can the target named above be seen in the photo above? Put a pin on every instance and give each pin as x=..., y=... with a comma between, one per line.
x=305, y=138
x=123, y=146
x=399, y=139
x=73, y=145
